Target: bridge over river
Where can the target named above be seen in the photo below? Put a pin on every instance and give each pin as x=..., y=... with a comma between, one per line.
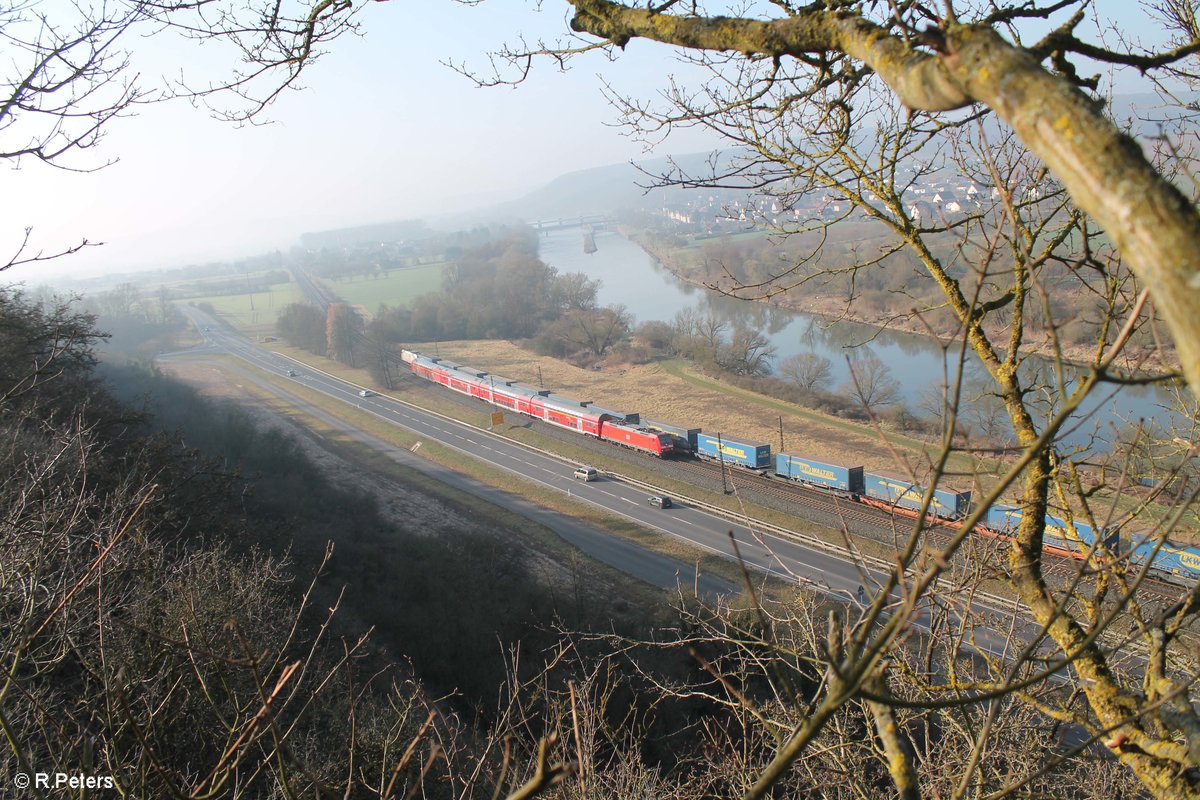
x=596, y=221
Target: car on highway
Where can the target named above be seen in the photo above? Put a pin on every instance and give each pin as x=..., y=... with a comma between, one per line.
x=291, y=373
x=366, y=393
x=586, y=474
x=660, y=500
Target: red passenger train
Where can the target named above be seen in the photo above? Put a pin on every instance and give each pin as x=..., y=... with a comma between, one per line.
x=585, y=418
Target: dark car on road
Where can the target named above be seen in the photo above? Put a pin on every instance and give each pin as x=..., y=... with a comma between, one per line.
x=662, y=501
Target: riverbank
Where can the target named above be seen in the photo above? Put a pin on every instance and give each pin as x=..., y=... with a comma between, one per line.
x=1138, y=360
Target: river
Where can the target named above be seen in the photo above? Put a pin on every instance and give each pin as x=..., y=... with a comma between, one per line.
x=630, y=277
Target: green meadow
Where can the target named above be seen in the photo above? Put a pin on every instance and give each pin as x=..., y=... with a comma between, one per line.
x=398, y=288
x=252, y=312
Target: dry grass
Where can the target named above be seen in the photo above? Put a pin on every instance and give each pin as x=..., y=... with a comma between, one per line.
x=657, y=394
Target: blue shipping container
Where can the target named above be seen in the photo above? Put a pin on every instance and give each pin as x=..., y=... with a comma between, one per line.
x=1005, y=519
x=848, y=479
x=945, y=503
x=753, y=455
x=1171, y=559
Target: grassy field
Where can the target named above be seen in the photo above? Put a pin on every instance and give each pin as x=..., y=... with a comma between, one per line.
x=399, y=288
x=699, y=242
x=252, y=313
x=189, y=288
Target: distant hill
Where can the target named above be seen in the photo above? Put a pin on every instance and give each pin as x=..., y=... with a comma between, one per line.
x=399, y=231
x=617, y=187
x=602, y=190
x=599, y=190
x=589, y=191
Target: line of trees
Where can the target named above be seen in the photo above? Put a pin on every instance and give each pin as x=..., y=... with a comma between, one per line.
x=497, y=289
x=304, y=326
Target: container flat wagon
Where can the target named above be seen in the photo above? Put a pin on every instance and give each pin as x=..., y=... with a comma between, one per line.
x=1057, y=537
x=1170, y=559
x=818, y=473
x=751, y=455
x=889, y=492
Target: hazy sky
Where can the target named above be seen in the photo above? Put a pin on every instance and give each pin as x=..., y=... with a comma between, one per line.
x=382, y=131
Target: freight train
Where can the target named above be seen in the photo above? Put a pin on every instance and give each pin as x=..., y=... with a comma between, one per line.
x=662, y=440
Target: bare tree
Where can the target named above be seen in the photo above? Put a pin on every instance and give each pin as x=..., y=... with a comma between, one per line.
x=124, y=300
x=597, y=330
x=685, y=321
x=576, y=291
x=870, y=382
x=67, y=74
x=343, y=326
x=711, y=328
x=748, y=352
x=809, y=371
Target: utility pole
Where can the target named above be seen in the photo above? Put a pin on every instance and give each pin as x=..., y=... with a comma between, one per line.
x=781, y=448
x=540, y=384
x=721, y=456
